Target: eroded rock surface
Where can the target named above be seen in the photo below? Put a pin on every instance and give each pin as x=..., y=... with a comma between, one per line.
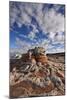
x=35, y=74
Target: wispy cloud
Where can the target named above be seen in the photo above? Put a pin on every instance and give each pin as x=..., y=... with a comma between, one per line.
x=22, y=44
x=49, y=21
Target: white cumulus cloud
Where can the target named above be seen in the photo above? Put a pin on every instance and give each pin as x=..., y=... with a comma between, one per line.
x=49, y=21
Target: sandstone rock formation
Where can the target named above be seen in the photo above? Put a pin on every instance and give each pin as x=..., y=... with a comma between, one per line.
x=34, y=74
x=38, y=53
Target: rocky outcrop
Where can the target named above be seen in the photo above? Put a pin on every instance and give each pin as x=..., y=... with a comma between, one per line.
x=38, y=53
x=34, y=75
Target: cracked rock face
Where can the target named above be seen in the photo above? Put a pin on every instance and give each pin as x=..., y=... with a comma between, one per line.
x=31, y=77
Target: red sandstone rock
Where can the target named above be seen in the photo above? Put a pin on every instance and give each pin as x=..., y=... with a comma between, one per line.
x=40, y=73
x=41, y=58
x=27, y=88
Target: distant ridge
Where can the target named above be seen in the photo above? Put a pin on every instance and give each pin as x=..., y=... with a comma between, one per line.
x=61, y=53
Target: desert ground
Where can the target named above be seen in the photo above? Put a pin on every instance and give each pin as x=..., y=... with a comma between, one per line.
x=37, y=74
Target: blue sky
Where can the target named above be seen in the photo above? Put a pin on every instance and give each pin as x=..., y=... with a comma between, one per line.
x=36, y=24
